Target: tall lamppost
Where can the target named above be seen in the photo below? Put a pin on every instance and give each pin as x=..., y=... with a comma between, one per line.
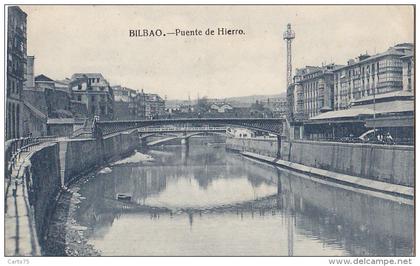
x=288, y=35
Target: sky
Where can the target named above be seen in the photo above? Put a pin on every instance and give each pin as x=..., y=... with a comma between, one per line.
x=71, y=39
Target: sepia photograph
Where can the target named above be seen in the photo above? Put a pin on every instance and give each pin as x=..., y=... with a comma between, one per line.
x=209, y=131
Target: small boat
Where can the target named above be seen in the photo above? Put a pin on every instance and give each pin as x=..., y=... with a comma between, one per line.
x=123, y=197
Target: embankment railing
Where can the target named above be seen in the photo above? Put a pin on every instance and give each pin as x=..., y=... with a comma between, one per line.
x=14, y=148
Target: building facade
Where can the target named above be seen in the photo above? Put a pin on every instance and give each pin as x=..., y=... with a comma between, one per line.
x=277, y=105
x=29, y=74
x=369, y=92
x=126, y=104
x=16, y=70
x=154, y=106
x=368, y=76
x=94, y=91
x=140, y=105
x=312, y=92
x=408, y=72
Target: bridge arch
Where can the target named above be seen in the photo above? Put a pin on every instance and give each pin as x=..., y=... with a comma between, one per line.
x=184, y=138
x=268, y=125
x=202, y=133
x=155, y=134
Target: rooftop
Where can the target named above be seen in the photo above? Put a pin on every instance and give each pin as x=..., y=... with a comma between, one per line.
x=88, y=75
x=44, y=78
x=395, y=50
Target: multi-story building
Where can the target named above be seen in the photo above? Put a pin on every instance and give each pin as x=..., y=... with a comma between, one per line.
x=16, y=70
x=311, y=92
x=367, y=76
x=154, y=106
x=126, y=103
x=94, y=91
x=277, y=105
x=140, y=101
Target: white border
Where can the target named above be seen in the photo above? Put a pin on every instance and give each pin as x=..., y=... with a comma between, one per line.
x=207, y=261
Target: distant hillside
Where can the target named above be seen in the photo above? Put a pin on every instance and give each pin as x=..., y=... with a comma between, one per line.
x=239, y=101
x=254, y=98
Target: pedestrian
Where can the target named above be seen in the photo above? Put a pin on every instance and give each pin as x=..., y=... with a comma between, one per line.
x=380, y=137
x=389, y=138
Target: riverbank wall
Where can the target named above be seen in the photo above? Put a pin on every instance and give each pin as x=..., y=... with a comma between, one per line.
x=32, y=192
x=391, y=164
x=266, y=147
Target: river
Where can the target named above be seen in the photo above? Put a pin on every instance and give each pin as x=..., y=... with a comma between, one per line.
x=205, y=201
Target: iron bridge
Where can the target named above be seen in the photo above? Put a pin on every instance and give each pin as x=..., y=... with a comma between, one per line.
x=268, y=125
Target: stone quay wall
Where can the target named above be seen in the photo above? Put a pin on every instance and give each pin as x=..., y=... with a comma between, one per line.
x=388, y=163
x=266, y=147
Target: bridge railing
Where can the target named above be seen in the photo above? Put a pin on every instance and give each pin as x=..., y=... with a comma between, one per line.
x=177, y=129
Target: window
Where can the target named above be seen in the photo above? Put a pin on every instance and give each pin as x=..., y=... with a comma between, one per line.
x=92, y=98
x=79, y=98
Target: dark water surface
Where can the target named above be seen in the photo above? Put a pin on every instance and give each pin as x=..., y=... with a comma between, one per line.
x=206, y=201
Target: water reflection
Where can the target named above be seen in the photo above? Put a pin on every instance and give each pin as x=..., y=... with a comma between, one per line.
x=204, y=201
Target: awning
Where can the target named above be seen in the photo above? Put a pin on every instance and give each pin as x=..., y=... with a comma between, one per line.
x=385, y=95
x=394, y=121
x=399, y=106
x=389, y=107
x=348, y=113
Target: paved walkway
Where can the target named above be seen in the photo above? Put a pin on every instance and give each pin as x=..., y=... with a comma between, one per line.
x=20, y=235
